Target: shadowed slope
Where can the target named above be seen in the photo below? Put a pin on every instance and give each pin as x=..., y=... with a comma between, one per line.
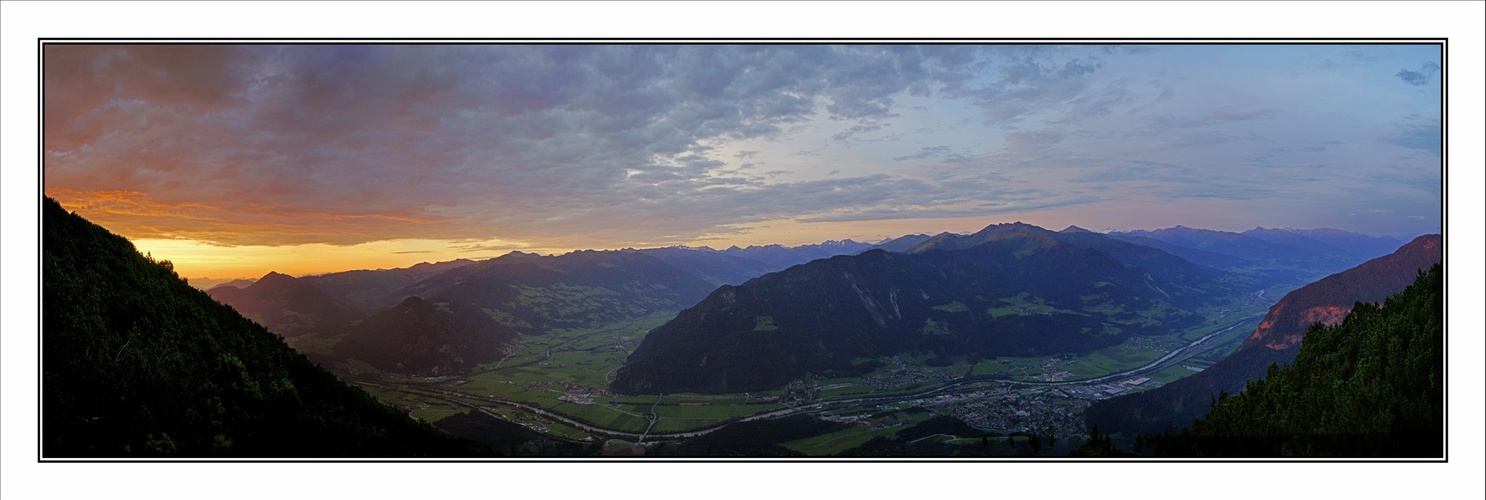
x=135, y=362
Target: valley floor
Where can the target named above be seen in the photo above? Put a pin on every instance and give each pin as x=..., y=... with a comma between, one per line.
x=554, y=387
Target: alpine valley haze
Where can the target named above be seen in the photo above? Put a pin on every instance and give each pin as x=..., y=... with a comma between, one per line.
x=997, y=250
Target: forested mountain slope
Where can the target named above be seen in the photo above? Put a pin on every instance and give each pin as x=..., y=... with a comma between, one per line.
x=1276, y=340
x=1371, y=386
x=137, y=363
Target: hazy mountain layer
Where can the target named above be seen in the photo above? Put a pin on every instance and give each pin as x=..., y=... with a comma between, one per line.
x=375, y=290
x=783, y=257
x=288, y=306
x=715, y=267
x=1330, y=241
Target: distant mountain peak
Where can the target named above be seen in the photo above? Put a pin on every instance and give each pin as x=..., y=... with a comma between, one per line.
x=1074, y=229
x=273, y=279
x=702, y=248
x=517, y=254
x=1012, y=226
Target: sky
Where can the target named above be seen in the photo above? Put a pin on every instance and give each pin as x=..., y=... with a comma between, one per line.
x=234, y=160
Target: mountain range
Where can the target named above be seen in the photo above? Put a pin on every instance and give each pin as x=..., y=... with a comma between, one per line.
x=714, y=267
x=138, y=363
x=1260, y=257
x=533, y=295
x=782, y=257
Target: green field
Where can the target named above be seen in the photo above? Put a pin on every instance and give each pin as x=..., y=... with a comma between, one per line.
x=1024, y=304
x=845, y=439
x=1111, y=360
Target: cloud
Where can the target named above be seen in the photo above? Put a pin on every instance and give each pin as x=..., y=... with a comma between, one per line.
x=1233, y=114
x=1417, y=132
x=928, y=152
x=1025, y=144
x=612, y=145
x=850, y=133
x=1034, y=79
x=488, y=140
x=1421, y=77
x=1136, y=171
x=1027, y=204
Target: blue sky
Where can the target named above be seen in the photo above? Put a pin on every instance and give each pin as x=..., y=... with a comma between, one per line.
x=475, y=150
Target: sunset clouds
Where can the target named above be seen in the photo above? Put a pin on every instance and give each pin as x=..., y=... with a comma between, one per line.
x=604, y=146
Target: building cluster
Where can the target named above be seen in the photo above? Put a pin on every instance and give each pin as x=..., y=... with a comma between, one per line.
x=1007, y=411
x=897, y=374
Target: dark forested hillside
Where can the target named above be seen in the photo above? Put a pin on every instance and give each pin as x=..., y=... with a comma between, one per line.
x=424, y=337
x=137, y=363
x=1276, y=340
x=1371, y=386
x=1014, y=295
